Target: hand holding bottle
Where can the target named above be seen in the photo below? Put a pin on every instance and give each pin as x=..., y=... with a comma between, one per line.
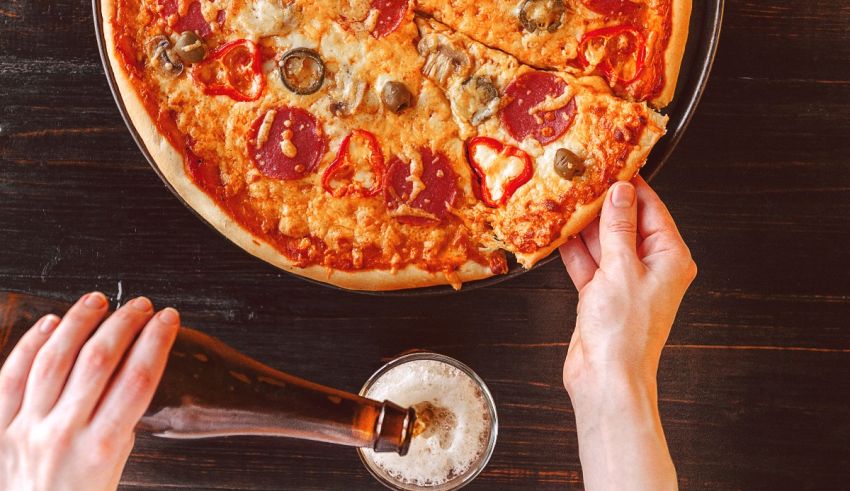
x=68, y=405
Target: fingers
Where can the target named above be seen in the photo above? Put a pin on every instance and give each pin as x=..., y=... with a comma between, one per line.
x=99, y=357
x=662, y=248
x=54, y=360
x=579, y=262
x=618, y=224
x=653, y=214
x=590, y=236
x=16, y=370
x=131, y=391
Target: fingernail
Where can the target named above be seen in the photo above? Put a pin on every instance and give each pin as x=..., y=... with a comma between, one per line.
x=141, y=304
x=48, y=323
x=95, y=300
x=623, y=195
x=169, y=316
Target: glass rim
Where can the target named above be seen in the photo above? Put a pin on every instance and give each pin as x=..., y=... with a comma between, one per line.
x=472, y=472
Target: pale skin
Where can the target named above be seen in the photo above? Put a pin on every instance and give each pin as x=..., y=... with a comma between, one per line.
x=631, y=268
x=73, y=389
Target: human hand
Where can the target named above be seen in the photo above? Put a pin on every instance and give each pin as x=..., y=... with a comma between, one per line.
x=631, y=268
x=72, y=391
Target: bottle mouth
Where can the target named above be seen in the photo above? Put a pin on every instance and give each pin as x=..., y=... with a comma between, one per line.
x=455, y=482
x=394, y=428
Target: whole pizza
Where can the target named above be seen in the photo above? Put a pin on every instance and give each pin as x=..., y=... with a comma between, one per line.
x=390, y=144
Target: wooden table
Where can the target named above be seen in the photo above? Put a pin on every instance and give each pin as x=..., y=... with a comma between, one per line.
x=755, y=382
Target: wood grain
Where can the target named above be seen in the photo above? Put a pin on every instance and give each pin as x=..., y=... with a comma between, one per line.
x=755, y=384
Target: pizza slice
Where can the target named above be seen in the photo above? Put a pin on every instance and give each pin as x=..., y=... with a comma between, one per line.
x=544, y=146
x=635, y=45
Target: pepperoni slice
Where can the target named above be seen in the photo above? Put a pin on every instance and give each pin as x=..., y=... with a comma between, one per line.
x=437, y=177
x=611, y=7
x=521, y=117
x=286, y=144
x=390, y=15
x=192, y=21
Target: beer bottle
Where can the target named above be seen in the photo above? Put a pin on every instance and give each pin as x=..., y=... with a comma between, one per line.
x=209, y=389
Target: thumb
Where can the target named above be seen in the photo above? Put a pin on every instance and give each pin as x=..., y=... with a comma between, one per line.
x=618, y=223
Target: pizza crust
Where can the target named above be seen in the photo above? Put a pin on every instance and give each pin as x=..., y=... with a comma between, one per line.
x=169, y=163
x=680, y=24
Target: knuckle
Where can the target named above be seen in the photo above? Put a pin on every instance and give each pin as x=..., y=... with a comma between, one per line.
x=95, y=358
x=49, y=361
x=104, y=448
x=139, y=380
x=11, y=385
x=622, y=226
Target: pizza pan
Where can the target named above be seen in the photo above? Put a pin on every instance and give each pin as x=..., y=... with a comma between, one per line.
x=703, y=38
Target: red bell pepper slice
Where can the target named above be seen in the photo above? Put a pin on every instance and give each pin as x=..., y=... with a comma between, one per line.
x=606, y=66
x=342, y=167
x=503, y=150
x=234, y=69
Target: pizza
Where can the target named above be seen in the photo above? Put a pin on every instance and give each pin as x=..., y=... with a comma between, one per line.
x=391, y=144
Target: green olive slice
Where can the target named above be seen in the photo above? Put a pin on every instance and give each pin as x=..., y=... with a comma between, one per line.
x=568, y=165
x=396, y=96
x=190, y=47
x=302, y=71
x=545, y=15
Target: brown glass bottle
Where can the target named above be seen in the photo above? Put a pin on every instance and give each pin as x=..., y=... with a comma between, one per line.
x=209, y=389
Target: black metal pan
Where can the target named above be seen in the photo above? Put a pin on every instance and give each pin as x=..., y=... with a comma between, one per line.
x=703, y=38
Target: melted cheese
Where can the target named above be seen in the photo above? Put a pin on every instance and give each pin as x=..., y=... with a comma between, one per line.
x=265, y=127
x=415, y=177
x=262, y=18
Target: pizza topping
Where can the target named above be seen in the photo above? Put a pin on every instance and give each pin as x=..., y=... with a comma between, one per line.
x=435, y=193
x=185, y=18
x=540, y=105
x=358, y=168
x=544, y=15
x=567, y=164
x=442, y=60
x=389, y=15
x=234, y=70
x=346, y=93
x=286, y=143
x=302, y=71
x=611, y=7
x=618, y=53
x=161, y=56
x=396, y=97
x=190, y=47
x=479, y=99
x=500, y=169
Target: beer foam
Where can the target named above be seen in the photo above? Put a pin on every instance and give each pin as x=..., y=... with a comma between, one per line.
x=457, y=437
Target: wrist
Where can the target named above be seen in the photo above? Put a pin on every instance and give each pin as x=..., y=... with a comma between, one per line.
x=612, y=389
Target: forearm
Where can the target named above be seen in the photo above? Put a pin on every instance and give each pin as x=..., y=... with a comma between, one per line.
x=621, y=441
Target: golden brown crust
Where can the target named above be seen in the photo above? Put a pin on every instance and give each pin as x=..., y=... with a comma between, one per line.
x=169, y=162
x=680, y=24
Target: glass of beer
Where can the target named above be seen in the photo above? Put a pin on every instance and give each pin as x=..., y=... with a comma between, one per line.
x=455, y=429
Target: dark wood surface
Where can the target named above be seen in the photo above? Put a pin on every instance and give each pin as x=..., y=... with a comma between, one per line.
x=755, y=382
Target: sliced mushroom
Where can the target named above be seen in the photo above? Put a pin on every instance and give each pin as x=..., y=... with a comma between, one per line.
x=545, y=15
x=159, y=54
x=190, y=47
x=347, y=92
x=568, y=165
x=442, y=60
x=483, y=99
x=396, y=96
x=302, y=71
